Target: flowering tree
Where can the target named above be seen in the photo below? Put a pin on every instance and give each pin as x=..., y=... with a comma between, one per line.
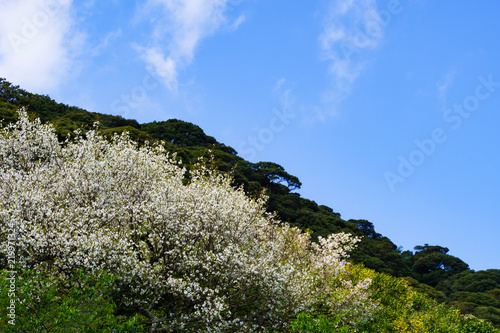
x=195, y=257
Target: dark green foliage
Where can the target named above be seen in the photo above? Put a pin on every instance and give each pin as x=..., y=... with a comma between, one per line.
x=471, y=281
x=179, y=133
x=477, y=293
x=382, y=255
x=275, y=173
x=66, y=119
x=494, y=293
x=7, y=112
x=432, y=264
x=134, y=133
x=7, y=102
x=426, y=289
x=109, y=121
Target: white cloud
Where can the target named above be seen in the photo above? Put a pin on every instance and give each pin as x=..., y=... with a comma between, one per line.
x=111, y=37
x=351, y=28
x=37, y=42
x=238, y=22
x=443, y=87
x=164, y=67
x=287, y=99
x=279, y=84
x=178, y=26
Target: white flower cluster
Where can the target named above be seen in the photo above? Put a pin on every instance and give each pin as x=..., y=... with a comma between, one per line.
x=196, y=257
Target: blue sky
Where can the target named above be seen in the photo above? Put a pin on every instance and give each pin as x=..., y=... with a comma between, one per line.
x=385, y=110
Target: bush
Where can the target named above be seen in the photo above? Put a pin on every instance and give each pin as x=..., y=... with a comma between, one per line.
x=399, y=309
x=43, y=304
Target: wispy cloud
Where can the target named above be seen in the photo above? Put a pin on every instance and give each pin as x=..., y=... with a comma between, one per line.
x=444, y=86
x=178, y=26
x=345, y=35
x=105, y=41
x=351, y=28
x=38, y=42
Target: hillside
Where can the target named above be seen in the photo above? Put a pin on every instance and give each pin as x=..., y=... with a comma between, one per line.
x=429, y=269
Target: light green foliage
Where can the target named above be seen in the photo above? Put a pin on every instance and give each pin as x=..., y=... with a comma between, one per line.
x=400, y=310
x=317, y=324
x=43, y=304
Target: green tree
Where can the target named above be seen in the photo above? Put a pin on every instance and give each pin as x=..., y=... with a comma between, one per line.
x=432, y=264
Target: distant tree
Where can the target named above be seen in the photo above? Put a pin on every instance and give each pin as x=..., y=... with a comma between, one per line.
x=275, y=173
x=367, y=228
x=179, y=133
x=432, y=264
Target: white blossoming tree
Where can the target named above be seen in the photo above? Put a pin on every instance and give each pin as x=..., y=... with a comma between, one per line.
x=195, y=257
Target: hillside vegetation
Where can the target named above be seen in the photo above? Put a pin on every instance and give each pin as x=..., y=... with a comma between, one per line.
x=359, y=297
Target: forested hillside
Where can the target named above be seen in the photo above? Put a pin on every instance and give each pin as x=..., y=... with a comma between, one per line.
x=429, y=268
